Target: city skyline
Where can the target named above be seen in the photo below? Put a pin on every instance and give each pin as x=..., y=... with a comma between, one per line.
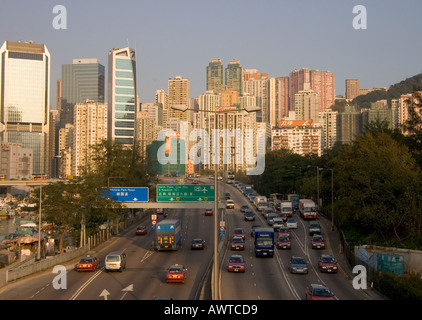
x=181, y=38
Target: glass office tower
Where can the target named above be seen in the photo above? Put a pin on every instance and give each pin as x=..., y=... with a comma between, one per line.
x=82, y=80
x=25, y=99
x=122, y=99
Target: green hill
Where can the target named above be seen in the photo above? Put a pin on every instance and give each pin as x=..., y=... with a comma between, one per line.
x=394, y=92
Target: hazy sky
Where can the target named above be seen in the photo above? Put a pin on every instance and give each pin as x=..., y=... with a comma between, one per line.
x=180, y=37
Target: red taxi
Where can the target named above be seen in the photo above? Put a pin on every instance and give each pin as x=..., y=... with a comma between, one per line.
x=141, y=230
x=236, y=264
x=237, y=243
x=238, y=232
x=327, y=263
x=319, y=292
x=284, y=231
x=283, y=242
x=176, y=273
x=318, y=242
x=88, y=264
x=208, y=212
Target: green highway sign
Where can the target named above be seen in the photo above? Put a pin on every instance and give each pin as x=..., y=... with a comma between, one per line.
x=185, y=193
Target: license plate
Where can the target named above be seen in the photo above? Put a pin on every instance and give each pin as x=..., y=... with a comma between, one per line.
x=112, y=265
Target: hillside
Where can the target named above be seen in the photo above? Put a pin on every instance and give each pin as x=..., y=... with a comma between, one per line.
x=394, y=92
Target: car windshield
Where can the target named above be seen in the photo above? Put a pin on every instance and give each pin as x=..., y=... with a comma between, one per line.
x=322, y=292
x=113, y=258
x=236, y=259
x=238, y=231
x=328, y=259
x=197, y=241
x=318, y=238
x=237, y=240
x=175, y=270
x=298, y=261
x=86, y=260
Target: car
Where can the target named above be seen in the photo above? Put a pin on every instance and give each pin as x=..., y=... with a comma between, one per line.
x=284, y=242
x=327, y=263
x=208, y=212
x=141, y=230
x=249, y=216
x=236, y=264
x=238, y=243
x=227, y=195
x=195, y=181
x=197, y=244
x=282, y=216
x=159, y=211
x=244, y=208
x=115, y=261
x=253, y=230
x=284, y=231
x=318, y=242
x=239, y=233
x=291, y=223
x=267, y=212
x=252, y=198
x=176, y=273
x=277, y=223
x=318, y=292
x=298, y=265
x=270, y=218
x=229, y=204
x=314, y=228
x=88, y=263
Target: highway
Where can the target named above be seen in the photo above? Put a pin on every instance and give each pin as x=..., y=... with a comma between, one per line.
x=144, y=277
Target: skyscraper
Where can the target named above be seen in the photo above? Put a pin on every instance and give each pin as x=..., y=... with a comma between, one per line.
x=25, y=99
x=122, y=97
x=233, y=75
x=215, y=76
x=178, y=94
x=322, y=82
x=82, y=80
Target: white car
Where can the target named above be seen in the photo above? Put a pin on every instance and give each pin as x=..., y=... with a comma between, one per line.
x=291, y=223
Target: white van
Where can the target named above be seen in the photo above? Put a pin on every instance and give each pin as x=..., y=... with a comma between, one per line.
x=115, y=261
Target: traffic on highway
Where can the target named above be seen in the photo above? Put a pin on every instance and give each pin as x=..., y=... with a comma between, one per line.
x=261, y=259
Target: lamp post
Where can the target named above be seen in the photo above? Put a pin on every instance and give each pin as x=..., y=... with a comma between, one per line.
x=39, y=227
x=249, y=109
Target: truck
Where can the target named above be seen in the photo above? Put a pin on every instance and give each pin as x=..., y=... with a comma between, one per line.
x=261, y=203
x=264, y=241
x=307, y=209
x=294, y=198
x=168, y=234
x=287, y=208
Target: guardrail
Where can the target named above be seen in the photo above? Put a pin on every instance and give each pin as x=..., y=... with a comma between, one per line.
x=30, y=266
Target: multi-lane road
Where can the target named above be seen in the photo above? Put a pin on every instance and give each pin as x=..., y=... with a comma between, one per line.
x=144, y=276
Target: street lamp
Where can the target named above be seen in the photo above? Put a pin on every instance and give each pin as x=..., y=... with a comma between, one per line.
x=184, y=108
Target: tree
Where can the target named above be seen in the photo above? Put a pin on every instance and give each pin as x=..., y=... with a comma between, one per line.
x=66, y=204
x=378, y=182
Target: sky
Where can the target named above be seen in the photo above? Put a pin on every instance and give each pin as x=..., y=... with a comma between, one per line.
x=180, y=37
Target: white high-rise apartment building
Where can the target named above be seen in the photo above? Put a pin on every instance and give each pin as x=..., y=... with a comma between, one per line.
x=307, y=104
x=178, y=94
x=122, y=96
x=90, y=128
x=25, y=99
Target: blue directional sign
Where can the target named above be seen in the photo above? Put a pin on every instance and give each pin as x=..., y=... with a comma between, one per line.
x=129, y=194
